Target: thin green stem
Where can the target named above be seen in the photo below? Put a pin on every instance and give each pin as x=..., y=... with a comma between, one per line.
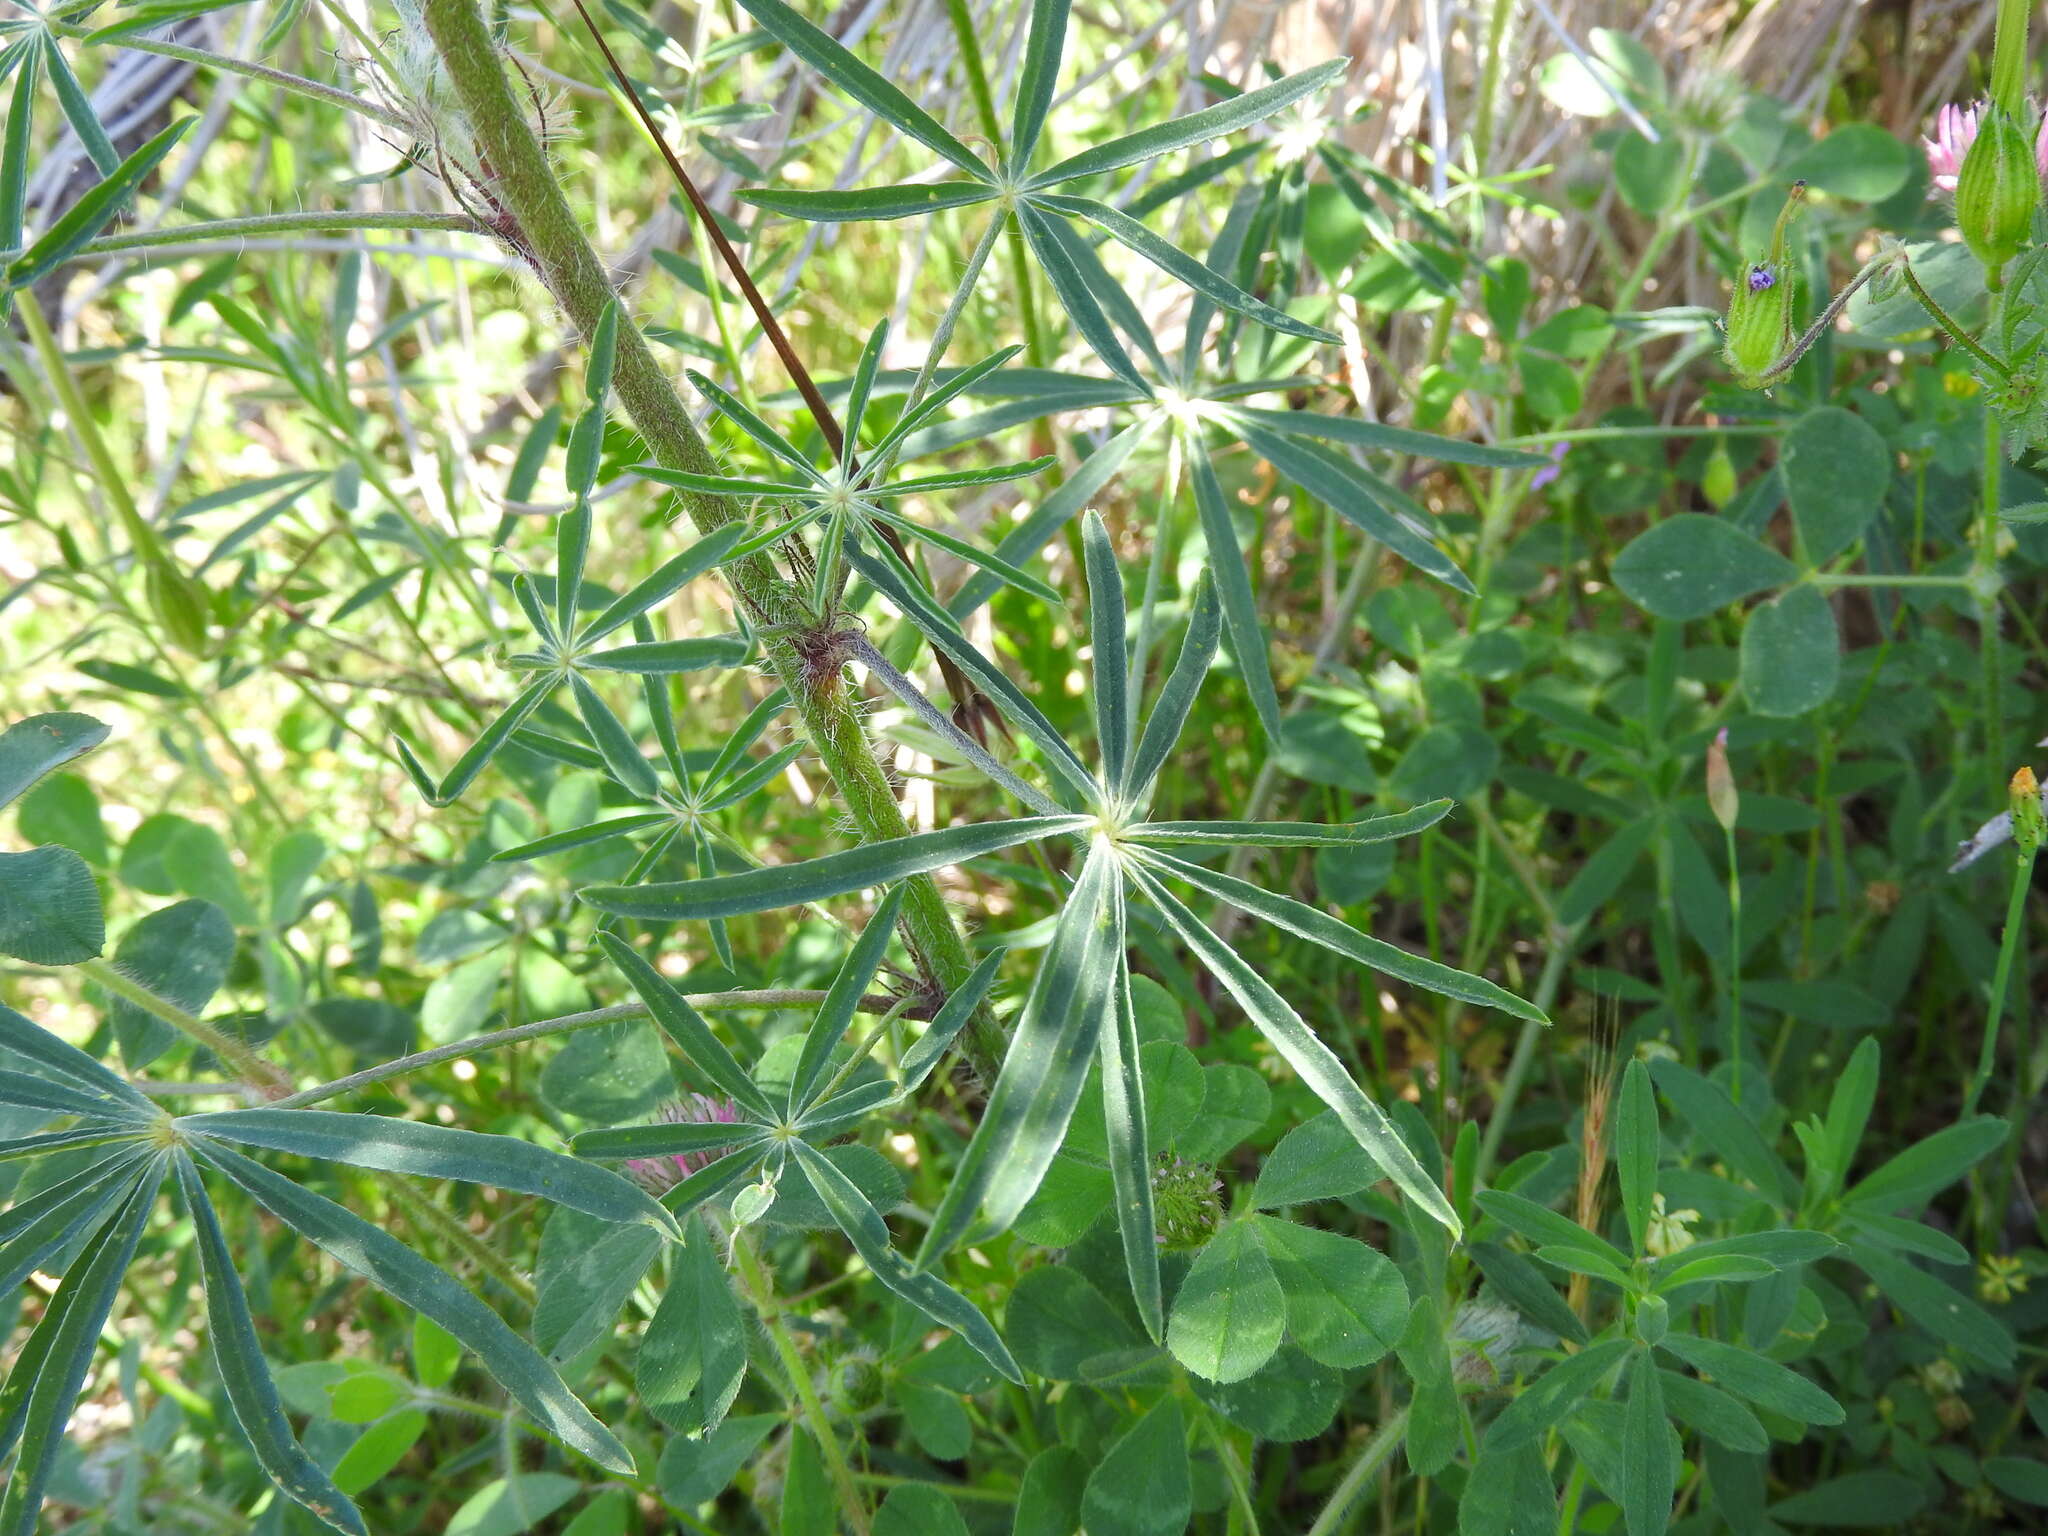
x=280, y=224
x=254, y=1070
x=1949, y=324
x=1563, y=945
x=1735, y=1040
x=568, y=1023
x=2001, y=978
x=298, y=85
x=761, y=1291
x=1371, y=1456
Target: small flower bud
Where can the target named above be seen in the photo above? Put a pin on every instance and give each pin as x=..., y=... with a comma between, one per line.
x=1721, y=796
x=1997, y=190
x=1717, y=481
x=1187, y=1202
x=1653, y=1319
x=1758, y=348
x=2029, y=817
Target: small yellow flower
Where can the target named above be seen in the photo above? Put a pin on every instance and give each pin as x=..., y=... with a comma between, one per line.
x=2000, y=1277
x=1668, y=1232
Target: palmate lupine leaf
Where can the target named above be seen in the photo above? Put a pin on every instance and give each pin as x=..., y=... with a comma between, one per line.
x=842, y=1001
x=35, y=1230
x=1130, y=1155
x=1241, y=626
x=93, y=211
x=684, y=1025
x=1046, y=1063
x=238, y=1355
x=120, y=1098
x=836, y=874
x=1317, y=1066
x=437, y=1152
x=869, y=1234
x=390, y=1265
x=36, y=1402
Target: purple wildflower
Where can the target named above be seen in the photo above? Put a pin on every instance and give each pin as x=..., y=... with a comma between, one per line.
x=659, y=1175
x=1549, y=472
x=1761, y=277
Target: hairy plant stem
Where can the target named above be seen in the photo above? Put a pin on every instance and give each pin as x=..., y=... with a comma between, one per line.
x=566, y=1024
x=257, y=1072
x=281, y=224
x=1371, y=1457
x=562, y=257
x=760, y=1286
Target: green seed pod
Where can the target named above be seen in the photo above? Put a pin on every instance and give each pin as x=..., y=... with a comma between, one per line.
x=1653, y=1319
x=179, y=604
x=1997, y=191
x=1717, y=483
x=1758, y=348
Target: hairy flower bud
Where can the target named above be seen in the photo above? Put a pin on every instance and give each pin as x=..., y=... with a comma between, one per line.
x=1997, y=190
x=1721, y=796
x=1758, y=348
x=1187, y=1201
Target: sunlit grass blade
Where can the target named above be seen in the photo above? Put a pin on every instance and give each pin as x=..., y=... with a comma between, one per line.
x=980, y=559
x=1241, y=624
x=1045, y=1066
x=93, y=211
x=836, y=874
x=1328, y=478
x=869, y=1234
x=436, y=1152
x=409, y=1279
x=686, y=1027
x=853, y=207
x=1076, y=298
x=622, y=755
x=1317, y=1066
x=1106, y=632
x=1381, y=438
x=734, y=410
x=238, y=1355
x=1318, y=927
x=1024, y=541
x=1292, y=834
x=580, y=837
x=921, y=1058
x=66, y=1061
x=674, y=574
x=836, y=63
x=938, y=627
x=1177, y=264
x=842, y=1000
x=663, y=657
x=1130, y=1155
x=1170, y=713
x=1044, y=47
x=48, y=1372
x=1196, y=128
